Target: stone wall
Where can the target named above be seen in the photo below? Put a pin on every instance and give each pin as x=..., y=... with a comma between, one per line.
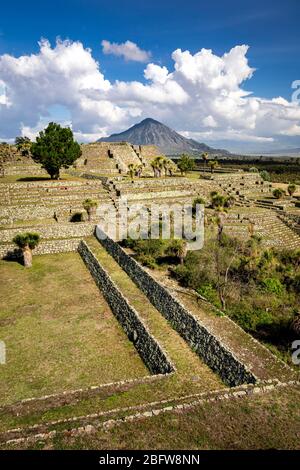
x=10, y=252
x=70, y=230
x=151, y=352
x=217, y=356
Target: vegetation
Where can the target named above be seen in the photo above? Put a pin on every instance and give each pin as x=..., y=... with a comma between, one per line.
x=55, y=148
x=157, y=165
x=27, y=242
x=185, y=163
x=204, y=157
x=90, y=205
x=278, y=193
x=258, y=288
x=265, y=175
x=61, y=332
x=135, y=170
x=23, y=145
x=291, y=189
x=213, y=164
x=160, y=163
x=273, y=169
x=261, y=421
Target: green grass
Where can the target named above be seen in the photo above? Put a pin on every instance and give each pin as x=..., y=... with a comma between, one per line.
x=267, y=421
x=188, y=364
x=29, y=179
x=59, y=332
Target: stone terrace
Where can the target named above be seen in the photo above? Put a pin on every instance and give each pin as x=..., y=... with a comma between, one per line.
x=24, y=201
x=164, y=189
x=112, y=158
x=242, y=185
x=274, y=232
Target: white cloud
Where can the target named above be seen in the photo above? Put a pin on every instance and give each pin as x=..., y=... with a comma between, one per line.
x=202, y=96
x=129, y=50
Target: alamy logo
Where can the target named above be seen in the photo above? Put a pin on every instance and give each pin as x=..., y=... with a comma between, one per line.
x=296, y=94
x=296, y=353
x=2, y=352
x=136, y=221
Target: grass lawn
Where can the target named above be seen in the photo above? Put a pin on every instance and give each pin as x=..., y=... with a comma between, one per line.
x=270, y=421
x=60, y=334
x=267, y=421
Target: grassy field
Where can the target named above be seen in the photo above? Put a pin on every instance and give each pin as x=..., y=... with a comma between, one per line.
x=269, y=421
x=59, y=332
x=29, y=179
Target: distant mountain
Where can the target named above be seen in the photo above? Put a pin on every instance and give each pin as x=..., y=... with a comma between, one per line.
x=151, y=132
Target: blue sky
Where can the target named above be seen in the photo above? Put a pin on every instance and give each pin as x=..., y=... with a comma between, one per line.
x=269, y=28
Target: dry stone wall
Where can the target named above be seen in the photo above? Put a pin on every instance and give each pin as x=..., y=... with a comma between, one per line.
x=70, y=230
x=217, y=356
x=10, y=252
x=149, y=349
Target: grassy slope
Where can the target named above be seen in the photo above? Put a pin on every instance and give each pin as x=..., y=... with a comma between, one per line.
x=270, y=421
x=60, y=334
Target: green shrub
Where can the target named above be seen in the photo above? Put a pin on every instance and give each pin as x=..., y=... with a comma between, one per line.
x=148, y=260
x=272, y=285
x=210, y=293
x=250, y=318
x=265, y=175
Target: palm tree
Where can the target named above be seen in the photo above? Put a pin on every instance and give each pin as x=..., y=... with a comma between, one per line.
x=213, y=164
x=291, y=189
x=154, y=167
x=171, y=167
x=27, y=242
x=131, y=170
x=90, y=205
x=168, y=166
x=217, y=200
x=178, y=248
x=157, y=165
x=186, y=163
x=139, y=170
x=204, y=157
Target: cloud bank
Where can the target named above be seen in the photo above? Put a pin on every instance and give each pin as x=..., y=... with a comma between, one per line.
x=202, y=96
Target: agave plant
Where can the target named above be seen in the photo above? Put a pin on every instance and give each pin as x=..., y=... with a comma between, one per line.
x=90, y=205
x=27, y=242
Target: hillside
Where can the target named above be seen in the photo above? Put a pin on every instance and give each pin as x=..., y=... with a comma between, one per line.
x=151, y=132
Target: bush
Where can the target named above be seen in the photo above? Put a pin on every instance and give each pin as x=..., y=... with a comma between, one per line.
x=148, y=260
x=154, y=248
x=278, y=193
x=272, y=285
x=265, y=175
x=250, y=318
x=210, y=293
x=291, y=189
